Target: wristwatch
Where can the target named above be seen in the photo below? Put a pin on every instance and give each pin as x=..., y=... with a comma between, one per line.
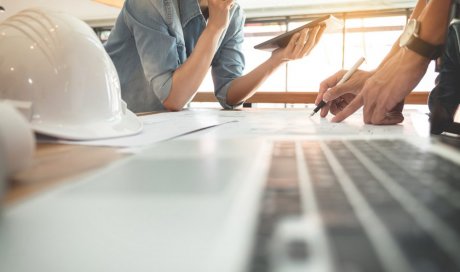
x=412, y=41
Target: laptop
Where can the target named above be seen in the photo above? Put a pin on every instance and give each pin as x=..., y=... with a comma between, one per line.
x=349, y=203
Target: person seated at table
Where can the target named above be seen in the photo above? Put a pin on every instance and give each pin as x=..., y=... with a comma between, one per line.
x=383, y=90
x=163, y=49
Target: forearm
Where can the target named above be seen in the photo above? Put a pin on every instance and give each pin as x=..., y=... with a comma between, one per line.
x=188, y=77
x=434, y=20
x=244, y=87
x=394, y=49
x=421, y=4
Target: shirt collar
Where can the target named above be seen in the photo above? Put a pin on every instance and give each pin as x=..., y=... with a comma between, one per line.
x=188, y=10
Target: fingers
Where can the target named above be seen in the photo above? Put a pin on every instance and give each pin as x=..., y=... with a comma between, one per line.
x=392, y=118
x=323, y=87
x=319, y=97
x=300, y=43
x=219, y=11
x=368, y=111
x=389, y=118
x=325, y=110
x=381, y=109
x=221, y=3
x=310, y=44
x=319, y=34
x=293, y=43
x=336, y=92
x=327, y=84
x=305, y=41
x=229, y=4
x=399, y=107
x=349, y=110
x=333, y=109
x=338, y=105
x=382, y=116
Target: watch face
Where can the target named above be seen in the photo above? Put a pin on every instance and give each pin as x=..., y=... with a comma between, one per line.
x=409, y=30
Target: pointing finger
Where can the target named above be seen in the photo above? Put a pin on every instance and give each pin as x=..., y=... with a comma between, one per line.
x=350, y=109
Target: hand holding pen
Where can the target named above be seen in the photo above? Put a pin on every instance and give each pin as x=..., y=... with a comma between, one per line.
x=345, y=77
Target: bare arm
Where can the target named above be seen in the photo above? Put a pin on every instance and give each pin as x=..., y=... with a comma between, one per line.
x=396, y=79
x=329, y=91
x=299, y=46
x=415, y=15
x=434, y=20
x=244, y=87
x=188, y=77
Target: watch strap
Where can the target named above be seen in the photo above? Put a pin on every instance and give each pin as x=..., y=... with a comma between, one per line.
x=424, y=49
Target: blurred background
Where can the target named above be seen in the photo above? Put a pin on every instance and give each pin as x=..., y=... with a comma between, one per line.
x=370, y=29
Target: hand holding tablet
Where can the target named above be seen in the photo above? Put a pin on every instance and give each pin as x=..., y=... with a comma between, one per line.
x=326, y=23
x=300, y=44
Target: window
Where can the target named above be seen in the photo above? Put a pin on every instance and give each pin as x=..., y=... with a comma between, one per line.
x=103, y=33
x=373, y=38
x=256, y=33
x=370, y=35
x=306, y=74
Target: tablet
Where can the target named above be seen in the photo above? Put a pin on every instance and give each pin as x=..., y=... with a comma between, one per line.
x=282, y=40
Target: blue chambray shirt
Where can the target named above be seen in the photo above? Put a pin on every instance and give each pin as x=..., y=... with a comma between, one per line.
x=152, y=38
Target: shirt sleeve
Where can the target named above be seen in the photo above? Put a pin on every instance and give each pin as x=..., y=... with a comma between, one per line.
x=228, y=63
x=157, y=49
x=446, y=91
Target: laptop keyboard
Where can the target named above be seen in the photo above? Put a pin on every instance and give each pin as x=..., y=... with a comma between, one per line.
x=281, y=199
x=383, y=205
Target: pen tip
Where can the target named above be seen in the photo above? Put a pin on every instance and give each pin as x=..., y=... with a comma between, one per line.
x=313, y=113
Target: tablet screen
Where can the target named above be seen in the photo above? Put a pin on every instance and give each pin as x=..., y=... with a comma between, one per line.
x=329, y=21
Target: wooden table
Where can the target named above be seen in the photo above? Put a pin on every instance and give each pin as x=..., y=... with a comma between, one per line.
x=55, y=163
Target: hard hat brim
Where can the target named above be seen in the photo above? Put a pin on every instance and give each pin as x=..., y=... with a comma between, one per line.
x=128, y=124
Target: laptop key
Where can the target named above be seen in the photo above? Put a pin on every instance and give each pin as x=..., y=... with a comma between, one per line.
x=418, y=245
x=349, y=243
x=280, y=200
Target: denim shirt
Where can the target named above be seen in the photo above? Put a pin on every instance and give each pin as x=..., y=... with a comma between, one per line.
x=153, y=38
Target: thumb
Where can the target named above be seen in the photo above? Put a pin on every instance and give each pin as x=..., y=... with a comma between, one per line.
x=336, y=92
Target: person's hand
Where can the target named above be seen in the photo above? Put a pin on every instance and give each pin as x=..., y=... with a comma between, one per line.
x=300, y=44
x=219, y=13
x=339, y=96
x=383, y=93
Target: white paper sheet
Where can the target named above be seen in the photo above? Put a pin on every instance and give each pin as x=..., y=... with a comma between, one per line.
x=297, y=122
x=250, y=123
x=157, y=127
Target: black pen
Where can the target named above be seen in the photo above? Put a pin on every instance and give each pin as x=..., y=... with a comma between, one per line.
x=344, y=78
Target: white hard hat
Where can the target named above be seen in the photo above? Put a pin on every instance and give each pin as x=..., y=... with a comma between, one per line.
x=55, y=66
